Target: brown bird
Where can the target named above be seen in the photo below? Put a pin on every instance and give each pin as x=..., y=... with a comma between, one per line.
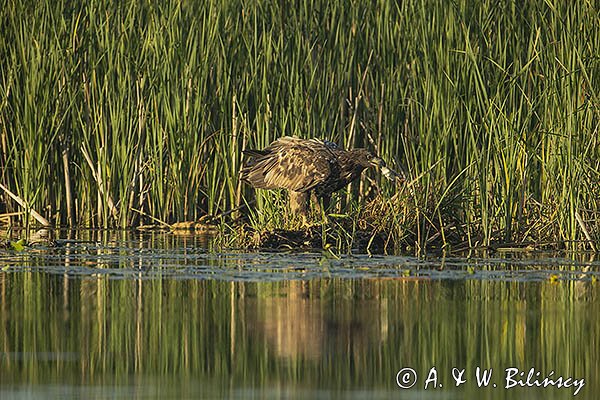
x=307, y=168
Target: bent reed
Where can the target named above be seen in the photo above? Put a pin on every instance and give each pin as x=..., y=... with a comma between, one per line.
x=113, y=113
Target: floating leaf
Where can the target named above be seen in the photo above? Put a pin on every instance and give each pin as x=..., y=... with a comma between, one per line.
x=19, y=245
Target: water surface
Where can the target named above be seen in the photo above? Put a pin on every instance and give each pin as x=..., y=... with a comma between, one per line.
x=152, y=316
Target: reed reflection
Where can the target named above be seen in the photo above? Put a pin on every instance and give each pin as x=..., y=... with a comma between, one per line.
x=331, y=333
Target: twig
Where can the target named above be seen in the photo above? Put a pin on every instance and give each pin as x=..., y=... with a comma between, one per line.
x=23, y=204
x=584, y=229
x=98, y=179
x=151, y=217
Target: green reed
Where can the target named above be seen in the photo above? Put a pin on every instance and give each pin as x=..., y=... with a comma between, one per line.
x=109, y=108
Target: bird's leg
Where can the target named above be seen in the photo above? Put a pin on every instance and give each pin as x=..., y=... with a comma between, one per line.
x=299, y=204
x=305, y=211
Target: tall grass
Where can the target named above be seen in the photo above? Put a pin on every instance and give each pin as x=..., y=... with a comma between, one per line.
x=493, y=108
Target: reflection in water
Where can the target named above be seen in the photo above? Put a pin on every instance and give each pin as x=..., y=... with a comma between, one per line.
x=298, y=325
x=138, y=338
x=157, y=316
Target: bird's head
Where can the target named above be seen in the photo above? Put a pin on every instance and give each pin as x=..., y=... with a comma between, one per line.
x=366, y=159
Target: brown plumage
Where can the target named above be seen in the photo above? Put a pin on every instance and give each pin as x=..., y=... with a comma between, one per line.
x=306, y=168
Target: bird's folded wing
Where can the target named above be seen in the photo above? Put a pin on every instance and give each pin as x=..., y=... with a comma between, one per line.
x=297, y=168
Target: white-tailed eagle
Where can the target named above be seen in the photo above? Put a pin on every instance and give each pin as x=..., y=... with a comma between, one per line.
x=306, y=168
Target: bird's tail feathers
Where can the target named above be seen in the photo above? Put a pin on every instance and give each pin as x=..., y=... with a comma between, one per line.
x=255, y=153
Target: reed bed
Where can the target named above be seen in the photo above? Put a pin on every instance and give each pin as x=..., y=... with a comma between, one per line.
x=113, y=112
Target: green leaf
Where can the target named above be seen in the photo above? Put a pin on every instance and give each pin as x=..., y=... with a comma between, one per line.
x=19, y=245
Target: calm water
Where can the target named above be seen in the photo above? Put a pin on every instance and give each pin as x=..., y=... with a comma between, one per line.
x=157, y=316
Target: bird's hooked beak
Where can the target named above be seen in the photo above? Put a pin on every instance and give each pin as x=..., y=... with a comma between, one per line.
x=377, y=162
x=388, y=173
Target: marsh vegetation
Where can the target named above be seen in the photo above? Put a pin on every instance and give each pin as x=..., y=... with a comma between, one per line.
x=118, y=114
